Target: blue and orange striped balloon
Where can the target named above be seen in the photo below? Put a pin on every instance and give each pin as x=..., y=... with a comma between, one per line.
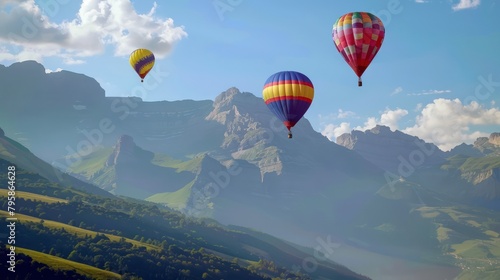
x=288, y=95
x=142, y=60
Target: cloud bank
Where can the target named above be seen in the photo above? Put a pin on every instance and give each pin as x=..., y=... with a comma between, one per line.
x=447, y=123
x=444, y=122
x=27, y=32
x=388, y=118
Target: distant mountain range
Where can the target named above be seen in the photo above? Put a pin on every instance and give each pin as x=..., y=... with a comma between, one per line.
x=377, y=192
x=471, y=171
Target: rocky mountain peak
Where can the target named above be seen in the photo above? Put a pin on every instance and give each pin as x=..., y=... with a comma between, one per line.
x=227, y=95
x=387, y=149
x=480, y=141
x=487, y=145
x=241, y=113
x=381, y=129
x=126, y=152
x=232, y=98
x=347, y=140
x=494, y=138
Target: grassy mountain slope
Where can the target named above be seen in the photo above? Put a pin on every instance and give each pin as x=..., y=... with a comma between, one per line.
x=64, y=264
x=19, y=155
x=89, y=230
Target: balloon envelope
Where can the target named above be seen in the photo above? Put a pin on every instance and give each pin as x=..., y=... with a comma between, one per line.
x=288, y=95
x=358, y=37
x=142, y=60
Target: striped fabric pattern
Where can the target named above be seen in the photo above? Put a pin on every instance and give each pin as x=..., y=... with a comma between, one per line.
x=142, y=60
x=288, y=95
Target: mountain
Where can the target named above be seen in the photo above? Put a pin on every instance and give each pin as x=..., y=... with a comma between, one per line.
x=251, y=170
x=394, y=151
x=63, y=233
x=466, y=150
x=42, y=92
x=388, y=205
x=20, y=156
x=470, y=171
x=66, y=115
x=482, y=146
x=488, y=145
x=126, y=169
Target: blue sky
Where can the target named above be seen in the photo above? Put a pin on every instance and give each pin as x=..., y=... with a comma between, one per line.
x=436, y=76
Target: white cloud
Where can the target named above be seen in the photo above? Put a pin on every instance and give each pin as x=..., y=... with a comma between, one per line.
x=99, y=23
x=447, y=122
x=430, y=92
x=52, y=71
x=369, y=124
x=421, y=1
x=345, y=114
x=444, y=122
x=397, y=91
x=466, y=4
x=388, y=118
x=332, y=131
x=72, y=61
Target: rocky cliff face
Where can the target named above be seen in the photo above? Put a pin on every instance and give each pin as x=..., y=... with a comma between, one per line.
x=486, y=183
x=232, y=109
x=494, y=139
x=246, y=135
x=488, y=145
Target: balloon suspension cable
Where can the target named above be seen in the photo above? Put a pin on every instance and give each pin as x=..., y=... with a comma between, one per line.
x=360, y=83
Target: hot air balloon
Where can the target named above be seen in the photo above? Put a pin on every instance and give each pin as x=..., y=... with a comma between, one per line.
x=358, y=37
x=142, y=60
x=288, y=95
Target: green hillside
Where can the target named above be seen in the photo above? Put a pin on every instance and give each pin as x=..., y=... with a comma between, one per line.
x=64, y=264
x=68, y=232
x=92, y=163
x=469, y=235
x=480, y=164
x=175, y=200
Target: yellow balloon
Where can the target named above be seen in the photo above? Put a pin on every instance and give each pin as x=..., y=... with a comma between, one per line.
x=142, y=60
